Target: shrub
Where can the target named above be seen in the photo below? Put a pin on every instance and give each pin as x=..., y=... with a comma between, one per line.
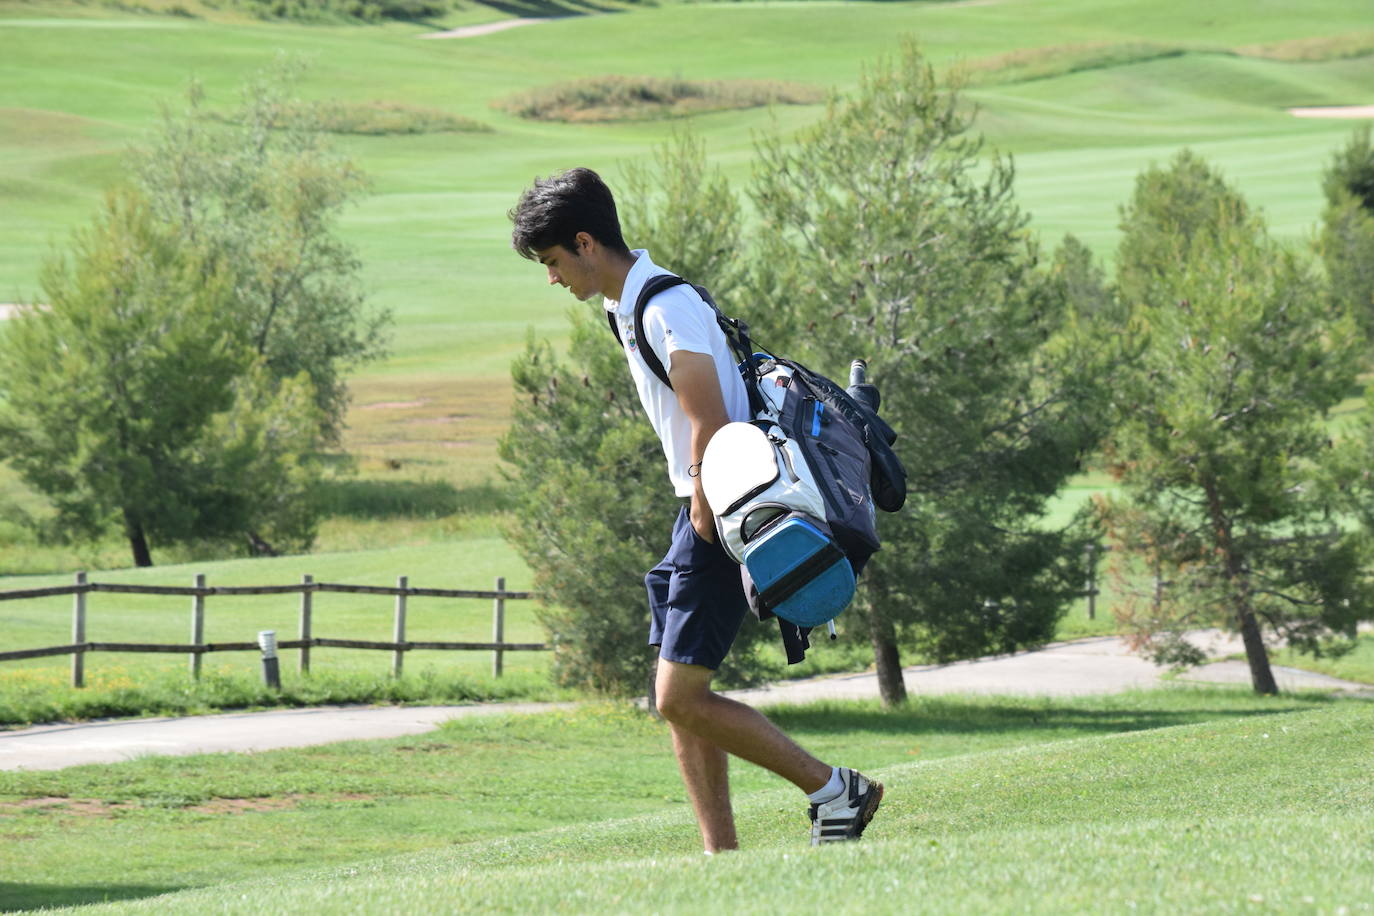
x=1333, y=47
x=1057, y=60
x=629, y=98
x=374, y=118
x=334, y=10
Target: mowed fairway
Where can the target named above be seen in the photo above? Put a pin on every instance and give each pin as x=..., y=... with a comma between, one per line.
x=1178, y=801
x=81, y=83
x=433, y=236
x=1164, y=802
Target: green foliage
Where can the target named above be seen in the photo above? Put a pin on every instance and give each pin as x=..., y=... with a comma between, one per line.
x=890, y=239
x=1347, y=238
x=346, y=10
x=883, y=242
x=1078, y=280
x=134, y=400
x=687, y=215
x=375, y=118
x=1351, y=172
x=259, y=465
x=1171, y=211
x=259, y=197
x=630, y=98
x=1232, y=487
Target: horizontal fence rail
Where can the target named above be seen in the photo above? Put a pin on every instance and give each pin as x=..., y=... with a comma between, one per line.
x=210, y=591
x=307, y=589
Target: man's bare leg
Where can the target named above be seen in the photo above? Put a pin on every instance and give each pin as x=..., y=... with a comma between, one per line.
x=717, y=725
x=706, y=774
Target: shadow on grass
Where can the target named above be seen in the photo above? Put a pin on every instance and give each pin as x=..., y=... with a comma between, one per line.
x=17, y=897
x=546, y=9
x=972, y=716
x=388, y=499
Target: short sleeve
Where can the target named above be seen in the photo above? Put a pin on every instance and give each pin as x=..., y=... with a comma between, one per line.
x=678, y=320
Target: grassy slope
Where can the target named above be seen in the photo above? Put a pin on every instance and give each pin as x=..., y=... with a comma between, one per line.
x=82, y=83
x=1207, y=817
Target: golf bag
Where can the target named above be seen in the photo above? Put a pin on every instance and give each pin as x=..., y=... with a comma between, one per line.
x=794, y=490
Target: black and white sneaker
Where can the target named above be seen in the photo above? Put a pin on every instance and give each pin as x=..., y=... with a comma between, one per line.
x=845, y=816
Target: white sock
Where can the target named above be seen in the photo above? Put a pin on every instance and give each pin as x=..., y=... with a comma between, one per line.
x=830, y=791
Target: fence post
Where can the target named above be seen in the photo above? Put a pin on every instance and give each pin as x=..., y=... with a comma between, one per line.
x=498, y=624
x=306, y=610
x=400, y=636
x=197, y=625
x=79, y=634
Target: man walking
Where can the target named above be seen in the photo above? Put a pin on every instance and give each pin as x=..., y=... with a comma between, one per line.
x=569, y=224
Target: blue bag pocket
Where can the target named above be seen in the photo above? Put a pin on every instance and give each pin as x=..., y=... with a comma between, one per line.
x=800, y=573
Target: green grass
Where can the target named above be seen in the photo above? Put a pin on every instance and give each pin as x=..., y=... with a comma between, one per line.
x=1166, y=798
x=84, y=81
x=28, y=696
x=1358, y=665
x=39, y=690
x=130, y=618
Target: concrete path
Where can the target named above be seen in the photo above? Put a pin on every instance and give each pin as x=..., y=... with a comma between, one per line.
x=51, y=747
x=1087, y=666
x=1083, y=666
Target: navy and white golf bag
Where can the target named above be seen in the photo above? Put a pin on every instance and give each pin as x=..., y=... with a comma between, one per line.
x=793, y=495
x=795, y=490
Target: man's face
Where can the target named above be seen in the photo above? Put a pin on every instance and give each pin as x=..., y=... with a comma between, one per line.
x=571, y=270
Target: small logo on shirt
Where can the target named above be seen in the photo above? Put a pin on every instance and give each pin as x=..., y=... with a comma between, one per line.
x=631, y=342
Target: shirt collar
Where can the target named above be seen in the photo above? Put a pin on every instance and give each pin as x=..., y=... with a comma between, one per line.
x=639, y=274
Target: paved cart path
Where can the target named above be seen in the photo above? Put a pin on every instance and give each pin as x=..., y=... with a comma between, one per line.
x=1086, y=666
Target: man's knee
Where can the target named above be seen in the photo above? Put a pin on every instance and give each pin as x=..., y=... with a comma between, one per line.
x=678, y=707
x=680, y=690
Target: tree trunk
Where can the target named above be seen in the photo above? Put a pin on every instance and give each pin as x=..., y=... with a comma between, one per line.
x=883, y=636
x=891, y=686
x=138, y=542
x=1261, y=675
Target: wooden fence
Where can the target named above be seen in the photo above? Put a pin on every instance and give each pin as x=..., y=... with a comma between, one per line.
x=307, y=589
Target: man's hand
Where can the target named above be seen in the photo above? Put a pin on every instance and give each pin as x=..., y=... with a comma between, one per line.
x=698, y=394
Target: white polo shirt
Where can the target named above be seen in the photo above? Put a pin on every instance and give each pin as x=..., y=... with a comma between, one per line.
x=676, y=319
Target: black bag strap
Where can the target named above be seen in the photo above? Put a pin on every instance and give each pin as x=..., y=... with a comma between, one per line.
x=736, y=334
x=652, y=288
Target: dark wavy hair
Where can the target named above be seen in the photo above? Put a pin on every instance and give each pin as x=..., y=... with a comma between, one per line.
x=555, y=209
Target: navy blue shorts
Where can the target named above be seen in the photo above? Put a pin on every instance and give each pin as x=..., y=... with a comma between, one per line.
x=696, y=599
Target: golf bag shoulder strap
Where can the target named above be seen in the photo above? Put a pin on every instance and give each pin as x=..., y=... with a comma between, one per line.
x=736, y=333
x=651, y=289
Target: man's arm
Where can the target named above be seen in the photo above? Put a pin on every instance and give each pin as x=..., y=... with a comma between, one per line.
x=698, y=394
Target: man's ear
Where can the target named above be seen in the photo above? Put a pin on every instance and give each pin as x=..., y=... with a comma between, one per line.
x=585, y=243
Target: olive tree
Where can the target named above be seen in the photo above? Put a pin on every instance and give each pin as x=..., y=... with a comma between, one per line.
x=132, y=400
x=258, y=192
